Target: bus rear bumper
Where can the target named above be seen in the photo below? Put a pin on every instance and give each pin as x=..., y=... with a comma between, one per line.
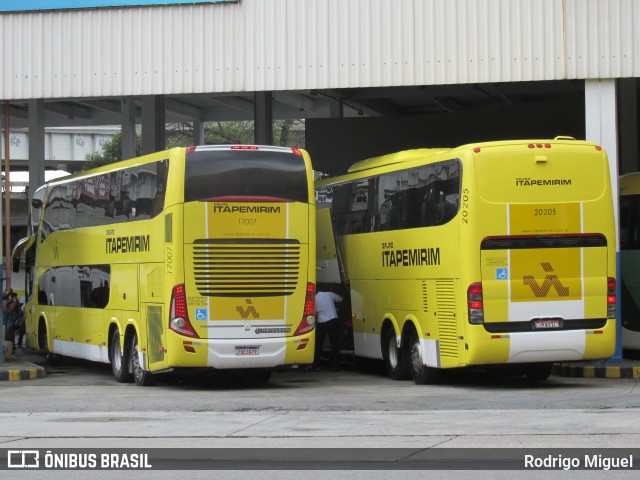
x=245, y=353
x=551, y=346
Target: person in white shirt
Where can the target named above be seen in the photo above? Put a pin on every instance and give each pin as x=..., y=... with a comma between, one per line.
x=327, y=323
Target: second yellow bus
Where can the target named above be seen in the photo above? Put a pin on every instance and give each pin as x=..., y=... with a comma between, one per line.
x=499, y=253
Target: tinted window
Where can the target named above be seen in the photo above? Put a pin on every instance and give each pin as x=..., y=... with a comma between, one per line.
x=630, y=222
x=417, y=197
x=234, y=173
x=85, y=286
x=134, y=193
x=420, y=197
x=350, y=207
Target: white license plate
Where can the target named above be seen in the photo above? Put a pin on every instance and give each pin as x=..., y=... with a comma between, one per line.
x=240, y=351
x=550, y=323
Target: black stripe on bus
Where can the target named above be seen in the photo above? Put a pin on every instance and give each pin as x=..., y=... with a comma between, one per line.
x=527, y=326
x=543, y=241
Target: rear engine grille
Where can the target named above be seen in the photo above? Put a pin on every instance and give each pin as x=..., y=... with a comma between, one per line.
x=246, y=268
x=446, y=299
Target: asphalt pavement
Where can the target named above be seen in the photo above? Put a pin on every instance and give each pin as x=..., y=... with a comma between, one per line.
x=28, y=364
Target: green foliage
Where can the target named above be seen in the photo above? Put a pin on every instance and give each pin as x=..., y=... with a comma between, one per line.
x=111, y=152
x=229, y=132
x=286, y=133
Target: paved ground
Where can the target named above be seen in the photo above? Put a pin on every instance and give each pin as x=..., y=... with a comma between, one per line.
x=26, y=364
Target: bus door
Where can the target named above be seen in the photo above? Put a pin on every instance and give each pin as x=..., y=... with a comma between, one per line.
x=629, y=277
x=152, y=314
x=327, y=253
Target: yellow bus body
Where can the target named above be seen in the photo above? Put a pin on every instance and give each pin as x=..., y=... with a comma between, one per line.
x=519, y=271
x=208, y=281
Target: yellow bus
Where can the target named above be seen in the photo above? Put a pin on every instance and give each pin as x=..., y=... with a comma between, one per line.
x=189, y=258
x=487, y=254
x=630, y=260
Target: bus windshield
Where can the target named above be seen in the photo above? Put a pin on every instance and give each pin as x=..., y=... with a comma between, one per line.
x=223, y=173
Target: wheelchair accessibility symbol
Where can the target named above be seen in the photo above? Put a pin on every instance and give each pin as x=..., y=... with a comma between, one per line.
x=201, y=314
x=502, y=274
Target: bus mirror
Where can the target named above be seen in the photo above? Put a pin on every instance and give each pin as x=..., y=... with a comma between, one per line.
x=24, y=244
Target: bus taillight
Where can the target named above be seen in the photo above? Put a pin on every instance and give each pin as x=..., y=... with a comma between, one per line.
x=474, y=303
x=308, y=321
x=611, y=297
x=179, y=315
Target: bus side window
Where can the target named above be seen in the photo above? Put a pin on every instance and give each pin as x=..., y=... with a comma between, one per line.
x=625, y=221
x=340, y=208
x=634, y=226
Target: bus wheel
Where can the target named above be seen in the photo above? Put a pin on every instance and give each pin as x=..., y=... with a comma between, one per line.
x=538, y=371
x=140, y=376
x=421, y=374
x=43, y=344
x=397, y=366
x=120, y=359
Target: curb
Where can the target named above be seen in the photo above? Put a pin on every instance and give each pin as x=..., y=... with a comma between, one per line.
x=22, y=372
x=597, y=371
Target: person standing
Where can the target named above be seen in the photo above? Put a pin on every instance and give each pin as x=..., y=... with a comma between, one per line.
x=327, y=324
x=9, y=319
x=20, y=322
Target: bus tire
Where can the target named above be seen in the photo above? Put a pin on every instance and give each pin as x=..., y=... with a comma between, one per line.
x=397, y=365
x=538, y=371
x=141, y=376
x=120, y=360
x=421, y=373
x=43, y=343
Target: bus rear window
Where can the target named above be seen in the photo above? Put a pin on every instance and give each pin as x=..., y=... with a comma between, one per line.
x=250, y=173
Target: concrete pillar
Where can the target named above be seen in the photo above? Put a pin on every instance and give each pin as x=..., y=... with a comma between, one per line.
x=602, y=127
x=198, y=132
x=36, y=144
x=628, y=124
x=263, y=116
x=601, y=122
x=128, y=119
x=336, y=109
x=153, y=123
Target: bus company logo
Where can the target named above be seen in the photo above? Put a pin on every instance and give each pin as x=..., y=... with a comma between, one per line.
x=250, y=310
x=272, y=330
x=550, y=280
x=532, y=182
x=226, y=208
x=411, y=257
x=23, y=459
x=131, y=244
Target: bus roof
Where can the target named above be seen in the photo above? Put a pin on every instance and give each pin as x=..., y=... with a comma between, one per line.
x=397, y=157
x=422, y=153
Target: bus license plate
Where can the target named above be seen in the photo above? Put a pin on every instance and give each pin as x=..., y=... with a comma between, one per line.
x=240, y=351
x=547, y=323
